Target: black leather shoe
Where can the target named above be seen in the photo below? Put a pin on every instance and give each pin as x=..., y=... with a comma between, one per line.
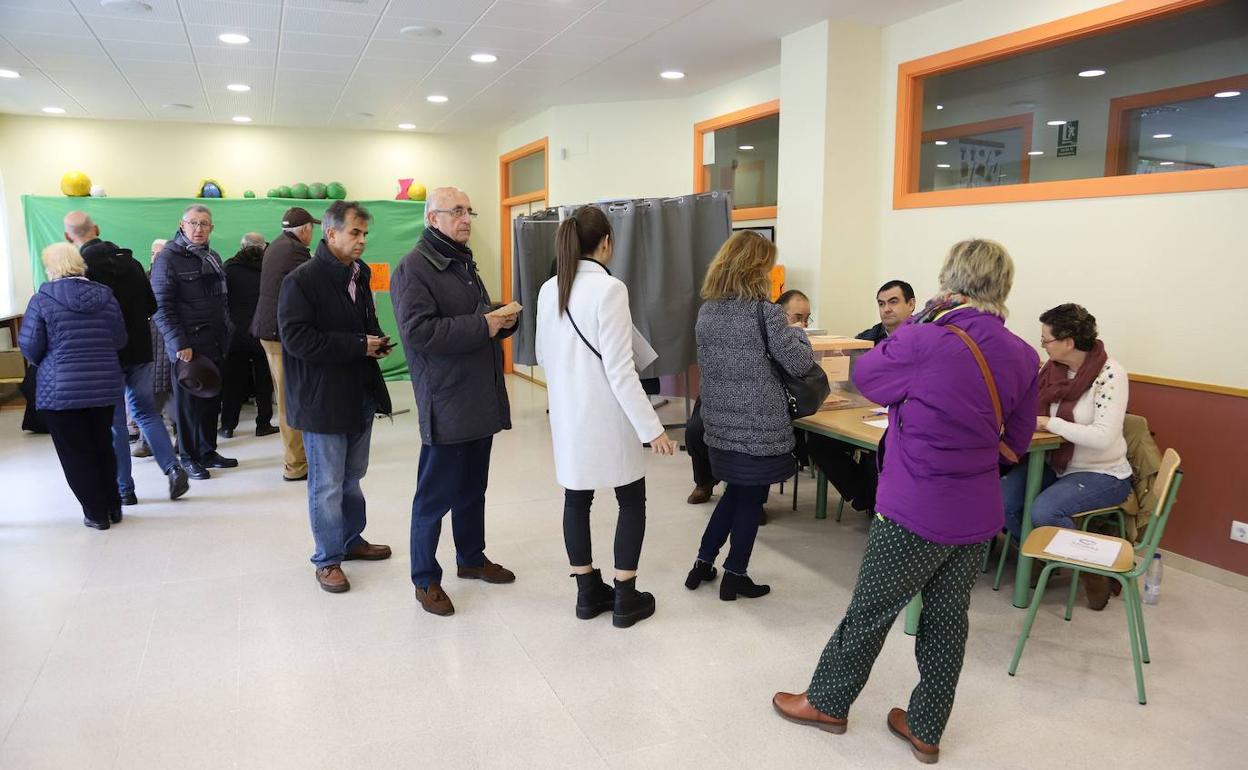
x=94, y=524
x=267, y=430
x=115, y=516
x=129, y=498
x=196, y=471
x=215, y=460
x=178, y=485
x=226, y=433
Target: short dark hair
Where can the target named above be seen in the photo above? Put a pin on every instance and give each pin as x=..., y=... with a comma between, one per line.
x=1071, y=322
x=907, y=291
x=335, y=217
x=791, y=294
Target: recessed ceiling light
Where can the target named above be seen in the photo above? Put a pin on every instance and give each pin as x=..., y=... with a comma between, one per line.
x=940, y=106
x=9, y=74
x=407, y=126
x=1166, y=163
x=942, y=165
x=1225, y=94
x=240, y=88
x=1162, y=136
x=940, y=143
x=484, y=58
x=1035, y=152
x=420, y=30
x=129, y=6
x=241, y=119
x=745, y=147
x=233, y=38
x=437, y=98
x=1056, y=123
x=176, y=106
x=54, y=110
x=1091, y=73
x=671, y=74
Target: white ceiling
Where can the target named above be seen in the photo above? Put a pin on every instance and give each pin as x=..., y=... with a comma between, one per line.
x=343, y=63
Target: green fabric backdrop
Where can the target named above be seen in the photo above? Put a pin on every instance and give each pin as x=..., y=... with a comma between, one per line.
x=135, y=222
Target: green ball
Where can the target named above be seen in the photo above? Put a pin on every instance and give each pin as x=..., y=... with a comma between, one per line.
x=284, y=192
x=299, y=190
x=316, y=190
x=336, y=191
x=272, y=193
x=248, y=194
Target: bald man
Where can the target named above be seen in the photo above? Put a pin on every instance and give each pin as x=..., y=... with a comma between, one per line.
x=116, y=268
x=246, y=368
x=452, y=340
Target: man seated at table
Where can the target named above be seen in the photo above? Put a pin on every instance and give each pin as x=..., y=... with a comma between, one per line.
x=851, y=470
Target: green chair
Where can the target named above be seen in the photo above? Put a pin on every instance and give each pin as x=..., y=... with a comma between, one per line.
x=1132, y=562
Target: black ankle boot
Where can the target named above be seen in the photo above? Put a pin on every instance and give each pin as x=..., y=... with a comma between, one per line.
x=631, y=605
x=734, y=585
x=702, y=572
x=593, y=597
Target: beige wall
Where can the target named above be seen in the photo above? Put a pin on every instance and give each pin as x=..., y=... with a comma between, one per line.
x=162, y=159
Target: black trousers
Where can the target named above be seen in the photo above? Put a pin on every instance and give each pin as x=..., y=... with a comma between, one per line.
x=197, y=423
x=246, y=372
x=852, y=471
x=84, y=444
x=630, y=527
x=695, y=444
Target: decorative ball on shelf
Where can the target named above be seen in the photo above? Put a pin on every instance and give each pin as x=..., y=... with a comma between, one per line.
x=335, y=191
x=284, y=191
x=210, y=188
x=272, y=193
x=317, y=190
x=98, y=191
x=75, y=184
x=249, y=194
x=416, y=192
x=299, y=190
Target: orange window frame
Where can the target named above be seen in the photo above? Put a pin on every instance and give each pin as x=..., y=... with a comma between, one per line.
x=766, y=109
x=1024, y=121
x=909, y=129
x=504, y=216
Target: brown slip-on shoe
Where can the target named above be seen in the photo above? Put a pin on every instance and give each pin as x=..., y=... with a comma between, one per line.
x=489, y=572
x=332, y=579
x=924, y=752
x=367, y=552
x=1097, y=589
x=699, y=495
x=433, y=599
x=795, y=708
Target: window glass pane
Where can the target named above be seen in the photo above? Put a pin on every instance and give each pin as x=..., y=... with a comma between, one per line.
x=527, y=174
x=745, y=160
x=1122, y=102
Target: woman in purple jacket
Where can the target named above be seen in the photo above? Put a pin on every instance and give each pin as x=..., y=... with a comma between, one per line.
x=939, y=499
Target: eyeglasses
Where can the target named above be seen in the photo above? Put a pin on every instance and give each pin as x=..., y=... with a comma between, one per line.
x=1045, y=343
x=459, y=212
x=196, y=225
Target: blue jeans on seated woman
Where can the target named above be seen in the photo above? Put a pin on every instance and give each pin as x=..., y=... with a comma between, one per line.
x=1059, y=498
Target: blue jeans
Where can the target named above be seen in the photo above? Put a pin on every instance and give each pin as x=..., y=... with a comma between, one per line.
x=142, y=403
x=336, y=508
x=1060, y=498
x=449, y=477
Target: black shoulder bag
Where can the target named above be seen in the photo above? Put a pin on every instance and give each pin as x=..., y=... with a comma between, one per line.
x=807, y=392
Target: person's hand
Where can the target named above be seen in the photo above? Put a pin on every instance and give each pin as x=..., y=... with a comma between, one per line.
x=498, y=322
x=663, y=445
x=378, y=347
x=1042, y=423
x=186, y=354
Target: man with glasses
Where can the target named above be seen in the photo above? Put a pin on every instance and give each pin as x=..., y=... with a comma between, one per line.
x=451, y=335
x=191, y=313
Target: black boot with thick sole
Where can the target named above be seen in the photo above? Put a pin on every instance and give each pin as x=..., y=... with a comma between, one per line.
x=593, y=597
x=631, y=605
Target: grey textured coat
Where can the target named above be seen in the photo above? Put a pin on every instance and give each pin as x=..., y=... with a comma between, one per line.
x=744, y=406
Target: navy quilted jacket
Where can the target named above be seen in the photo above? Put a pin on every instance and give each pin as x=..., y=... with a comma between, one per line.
x=72, y=332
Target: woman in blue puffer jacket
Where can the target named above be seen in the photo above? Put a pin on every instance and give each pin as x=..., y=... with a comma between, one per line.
x=72, y=332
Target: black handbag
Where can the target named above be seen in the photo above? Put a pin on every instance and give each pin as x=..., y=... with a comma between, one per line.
x=807, y=392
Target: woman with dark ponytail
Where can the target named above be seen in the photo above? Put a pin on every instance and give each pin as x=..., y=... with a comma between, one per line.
x=599, y=414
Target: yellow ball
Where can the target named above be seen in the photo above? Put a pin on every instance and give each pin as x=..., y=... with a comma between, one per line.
x=76, y=184
x=416, y=192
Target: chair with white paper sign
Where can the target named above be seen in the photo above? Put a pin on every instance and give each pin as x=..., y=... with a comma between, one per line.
x=1129, y=563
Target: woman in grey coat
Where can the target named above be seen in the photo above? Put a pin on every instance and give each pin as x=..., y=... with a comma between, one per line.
x=744, y=406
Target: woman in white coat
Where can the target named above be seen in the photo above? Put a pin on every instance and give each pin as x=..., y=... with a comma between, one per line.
x=599, y=414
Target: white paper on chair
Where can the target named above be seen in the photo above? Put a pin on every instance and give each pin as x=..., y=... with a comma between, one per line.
x=881, y=423
x=1072, y=544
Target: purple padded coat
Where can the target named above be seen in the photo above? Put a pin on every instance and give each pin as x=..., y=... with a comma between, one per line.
x=940, y=477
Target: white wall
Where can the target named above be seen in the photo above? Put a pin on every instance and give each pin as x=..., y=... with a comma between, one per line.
x=162, y=159
x=1159, y=271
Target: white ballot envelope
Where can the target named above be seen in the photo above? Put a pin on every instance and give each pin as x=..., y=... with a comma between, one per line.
x=643, y=354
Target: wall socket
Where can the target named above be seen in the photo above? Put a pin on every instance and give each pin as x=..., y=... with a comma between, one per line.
x=1239, y=531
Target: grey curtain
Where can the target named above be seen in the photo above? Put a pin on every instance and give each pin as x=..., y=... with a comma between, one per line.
x=663, y=247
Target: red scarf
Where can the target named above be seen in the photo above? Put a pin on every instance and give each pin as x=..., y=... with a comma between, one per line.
x=1057, y=388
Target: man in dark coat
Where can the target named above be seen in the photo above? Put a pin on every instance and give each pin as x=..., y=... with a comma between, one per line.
x=189, y=282
x=288, y=251
x=244, y=360
x=116, y=268
x=452, y=339
x=332, y=341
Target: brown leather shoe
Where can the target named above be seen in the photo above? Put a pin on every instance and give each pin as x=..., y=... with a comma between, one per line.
x=332, y=579
x=489, y=572
x=368, y=552
x=435, y=600
x=795, y=708
x=1097, y=589
x=924, y=752
x=700, y=494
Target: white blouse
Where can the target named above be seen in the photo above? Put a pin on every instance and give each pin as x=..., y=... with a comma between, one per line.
x=1096, y=430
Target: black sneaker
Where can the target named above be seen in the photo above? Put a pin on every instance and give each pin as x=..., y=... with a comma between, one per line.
x=178, y=485
x=195, y=470
x=215, y=460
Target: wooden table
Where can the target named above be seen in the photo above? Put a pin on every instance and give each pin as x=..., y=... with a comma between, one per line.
x=849, y=426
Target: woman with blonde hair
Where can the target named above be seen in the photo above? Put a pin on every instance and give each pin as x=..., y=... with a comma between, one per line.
x=745, y=408
x=72, y=331
x=950, y=421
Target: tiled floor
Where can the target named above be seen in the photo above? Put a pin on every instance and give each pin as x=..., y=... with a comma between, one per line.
x=194, y=635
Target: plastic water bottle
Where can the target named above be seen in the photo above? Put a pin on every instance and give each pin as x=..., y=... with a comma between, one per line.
x=1152, y=581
